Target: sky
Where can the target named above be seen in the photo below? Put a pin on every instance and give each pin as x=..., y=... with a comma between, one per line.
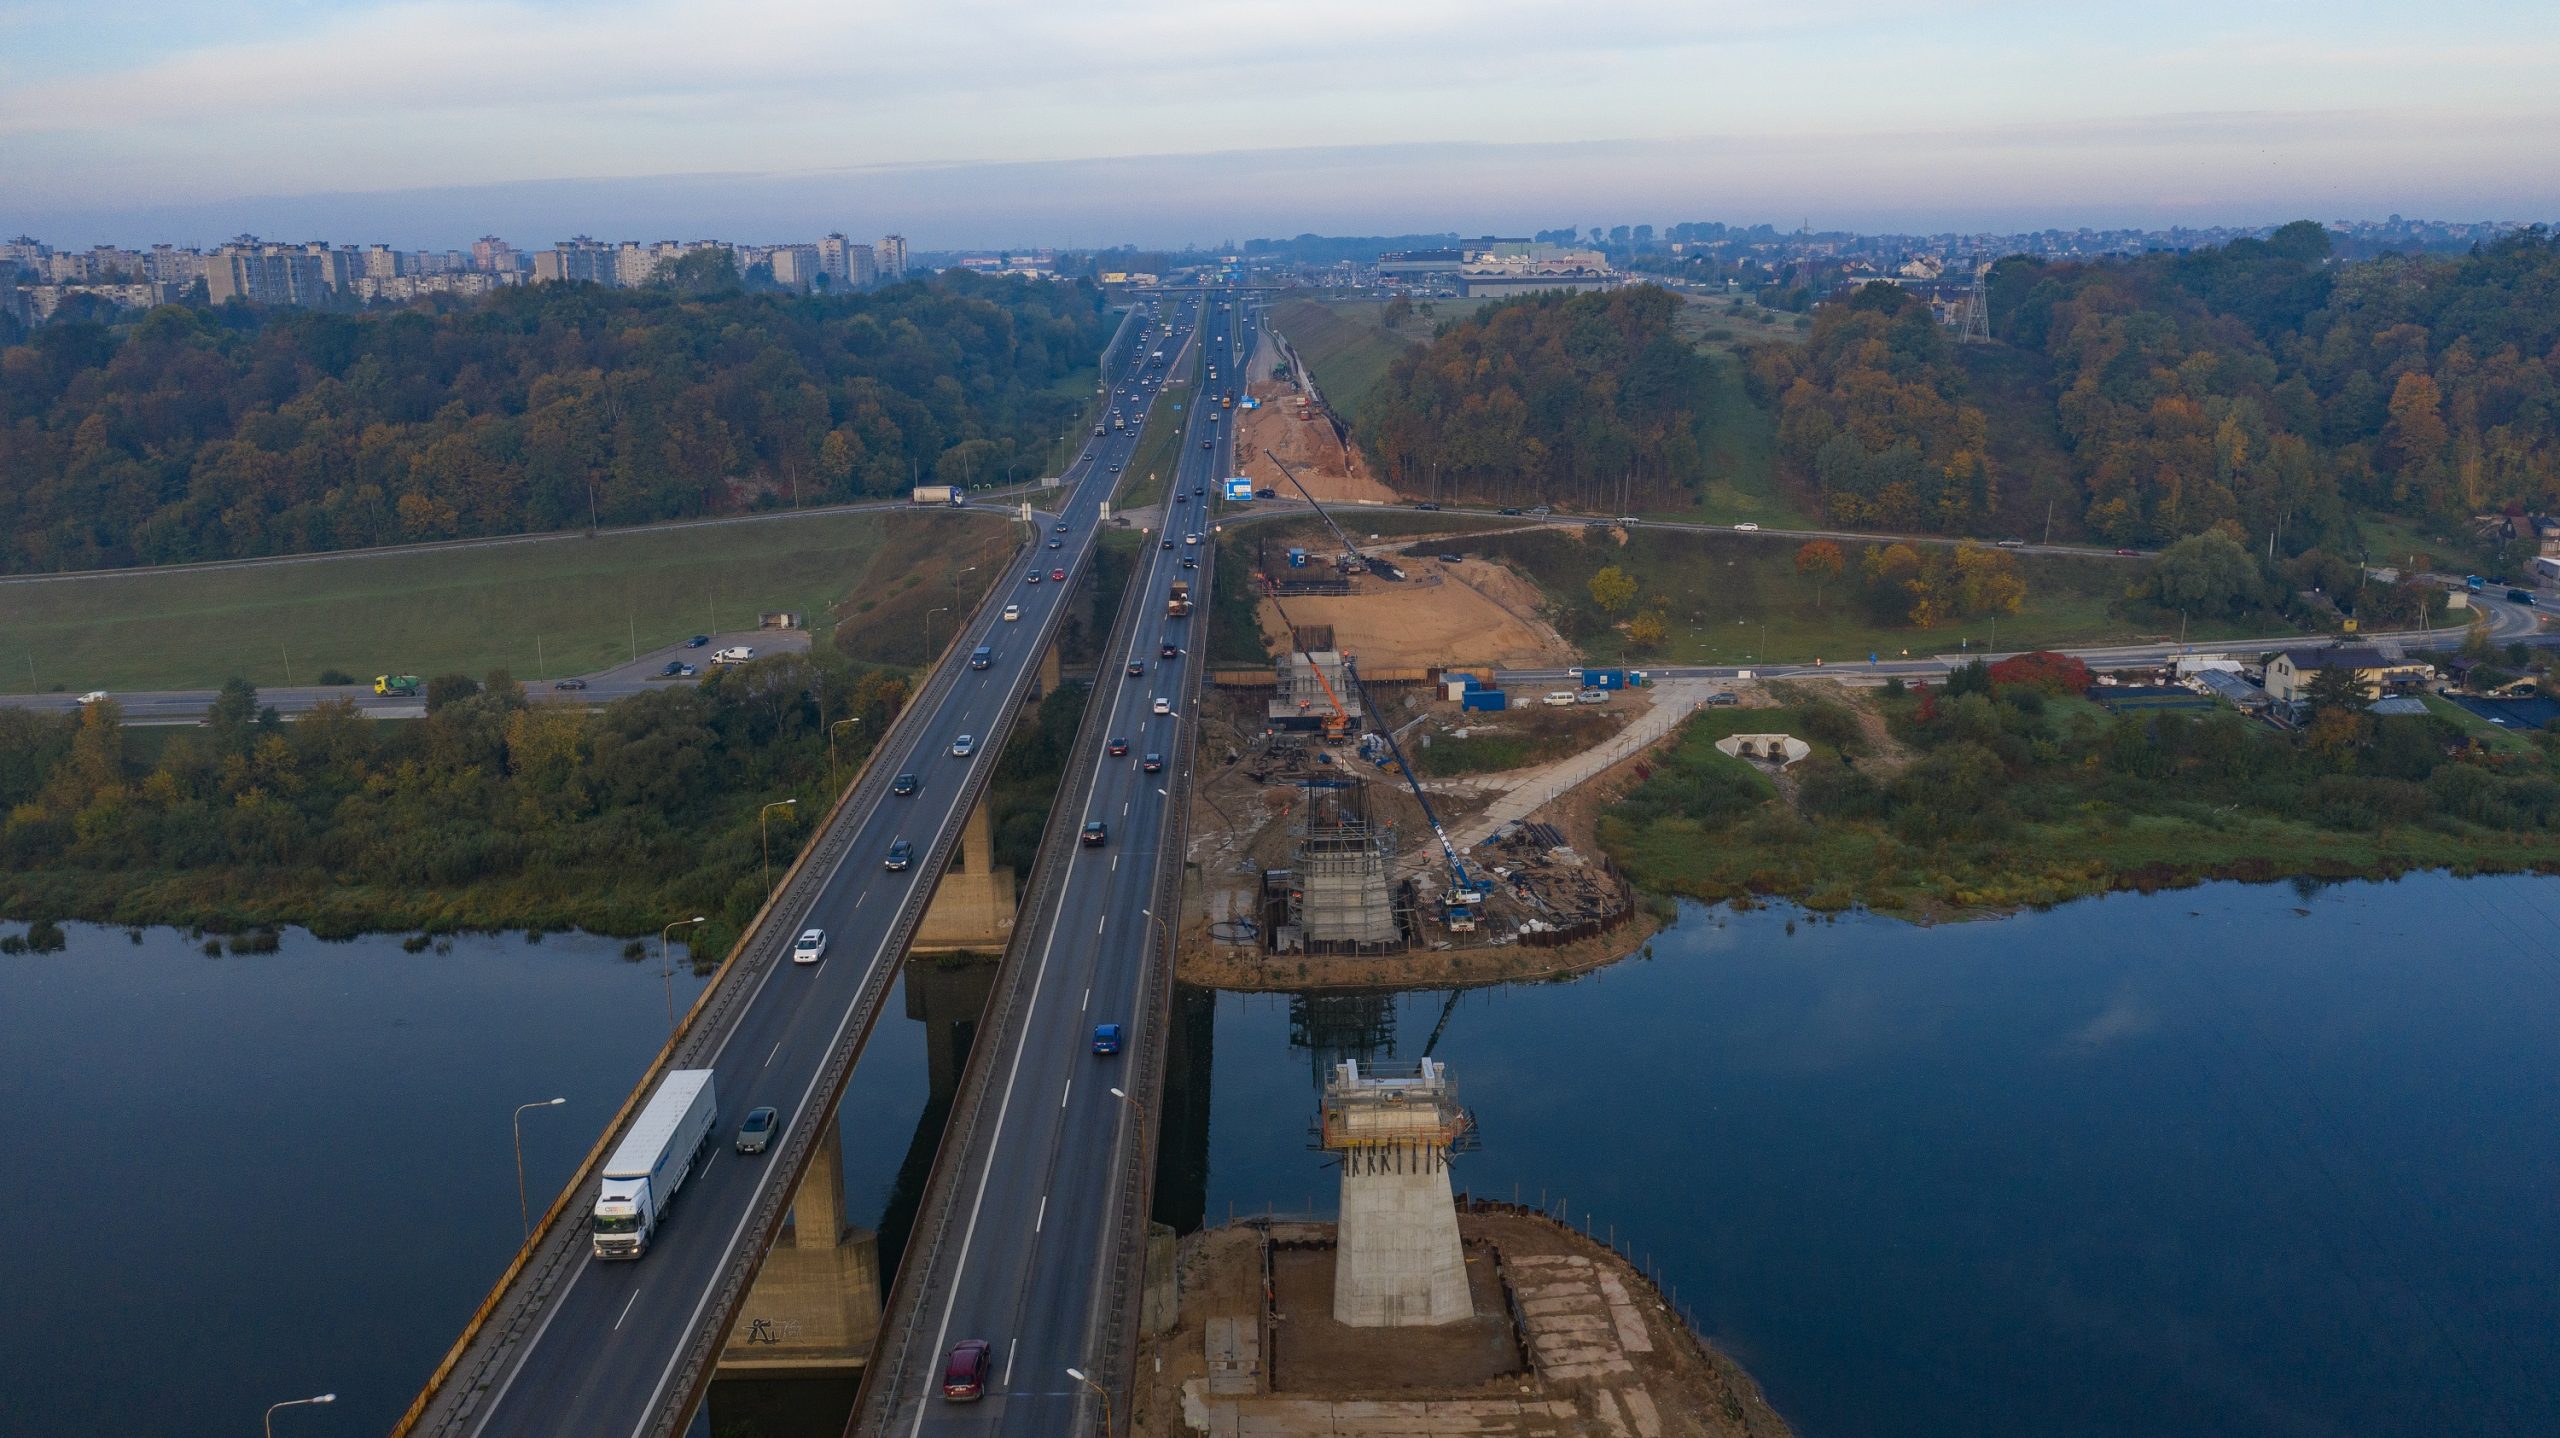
x=966, y=123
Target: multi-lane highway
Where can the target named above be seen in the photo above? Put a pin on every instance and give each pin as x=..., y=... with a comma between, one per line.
x=622, y=1348
x=1023, y=1239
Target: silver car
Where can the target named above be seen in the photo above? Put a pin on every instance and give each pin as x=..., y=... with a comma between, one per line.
x=757, y=1131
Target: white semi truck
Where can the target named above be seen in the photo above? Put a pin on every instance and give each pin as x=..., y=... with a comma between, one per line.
x=655, y=1157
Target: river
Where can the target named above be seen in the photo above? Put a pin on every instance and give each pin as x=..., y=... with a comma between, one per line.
x=2232, y=1159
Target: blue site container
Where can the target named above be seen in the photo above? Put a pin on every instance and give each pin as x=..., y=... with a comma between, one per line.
x=1297, y=559
x=1604, y=679
x=1485, y=699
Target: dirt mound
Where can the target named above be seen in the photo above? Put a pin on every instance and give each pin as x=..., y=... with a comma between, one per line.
x=1330, y=470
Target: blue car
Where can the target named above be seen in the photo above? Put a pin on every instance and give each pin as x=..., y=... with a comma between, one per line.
x=1106, y=1038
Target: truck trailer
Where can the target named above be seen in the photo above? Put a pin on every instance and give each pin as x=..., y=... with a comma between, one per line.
x=1177, y=602
x=650, y=1166
x=395, y=684
x=939, y=494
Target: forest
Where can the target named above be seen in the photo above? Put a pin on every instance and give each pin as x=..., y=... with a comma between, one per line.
x=488, y=813
x=192, y=434
x=1590, y=400
x=2262, y=387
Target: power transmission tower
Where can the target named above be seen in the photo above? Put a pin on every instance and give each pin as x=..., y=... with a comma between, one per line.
x=1977, y=311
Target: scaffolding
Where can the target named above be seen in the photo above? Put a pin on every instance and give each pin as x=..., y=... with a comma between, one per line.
x=1392, y=1105
x=1345, y=894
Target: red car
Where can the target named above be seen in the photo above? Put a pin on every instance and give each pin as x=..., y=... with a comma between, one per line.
x=1058, y=574
x=964, y=1373
x=1117, y=748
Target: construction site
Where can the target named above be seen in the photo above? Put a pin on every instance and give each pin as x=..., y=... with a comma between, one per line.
x=1322, y=854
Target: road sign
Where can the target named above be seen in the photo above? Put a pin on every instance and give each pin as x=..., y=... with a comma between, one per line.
x=1239, y=488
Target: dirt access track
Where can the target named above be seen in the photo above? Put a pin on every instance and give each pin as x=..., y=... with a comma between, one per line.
x=1472, y=612
x=1331, y=471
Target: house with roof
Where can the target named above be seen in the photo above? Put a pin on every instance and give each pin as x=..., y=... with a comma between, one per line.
x=2376, y=668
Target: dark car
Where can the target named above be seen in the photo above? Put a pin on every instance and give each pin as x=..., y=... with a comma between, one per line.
x=1152, y=764
x=1207, y=443
x=1182, y=499
x=697, y=641
x=570, y=684
x=964, y=1373
x=2129, y=553
x=1426, y=504
x=1167, y=544
x=757, y=1131
x=901, y=854
x=903, y=785
x=1096, y=833
x=1056, y=543
x=1117, y=748
x=1137, y=666
x=1190, y=563
x=1032, y=578
x=1169, y=650
x=1062, y=526
x=1509, y=509
x=1266, y=494
x=1199, y=489
x=674, y=668
x=1106, y=1038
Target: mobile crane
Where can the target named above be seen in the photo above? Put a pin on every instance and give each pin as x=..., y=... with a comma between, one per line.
x=1460, y=906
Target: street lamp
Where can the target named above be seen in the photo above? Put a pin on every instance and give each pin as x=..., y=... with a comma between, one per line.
x=523, y=1213
x=831, y=747
x=766, y=834
x=323, y=1398
x=667, y=967
x=955, y=584
x=1098, y=1390
x=928, y=630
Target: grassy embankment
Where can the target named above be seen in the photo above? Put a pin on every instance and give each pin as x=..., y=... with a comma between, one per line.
x=1153, y=464
x=540, y=610
x=1347, y=347
x=1737, y=599
x=1514, y=739
x=1956, y=835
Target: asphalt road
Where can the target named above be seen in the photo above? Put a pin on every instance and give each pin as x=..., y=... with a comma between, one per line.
x=602, y=1355
x=1028, y=1242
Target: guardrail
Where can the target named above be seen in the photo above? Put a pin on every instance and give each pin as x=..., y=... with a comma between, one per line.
x=547, y=1253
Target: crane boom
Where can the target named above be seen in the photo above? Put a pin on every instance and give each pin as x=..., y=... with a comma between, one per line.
x=1464, y=889
x=1349, y=549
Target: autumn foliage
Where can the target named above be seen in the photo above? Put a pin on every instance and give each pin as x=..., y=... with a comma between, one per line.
x=2045, y=670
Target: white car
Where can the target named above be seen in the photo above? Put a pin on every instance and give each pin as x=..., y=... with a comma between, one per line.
x=964, y=746
x=1747, y=527
x=94, y=696
x=1191, y=539
x=812, y=946
x=1012, y=612
x=1164, y=706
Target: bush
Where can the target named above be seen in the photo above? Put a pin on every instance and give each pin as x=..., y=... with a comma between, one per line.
x=337, y=676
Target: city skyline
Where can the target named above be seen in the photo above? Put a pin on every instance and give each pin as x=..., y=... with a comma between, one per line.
x=977, y=127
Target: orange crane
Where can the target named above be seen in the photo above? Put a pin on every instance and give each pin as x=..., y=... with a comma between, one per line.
x=1333, y=728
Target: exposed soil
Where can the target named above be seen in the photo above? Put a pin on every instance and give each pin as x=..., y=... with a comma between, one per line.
x=1330, y=471
x=1474, y=612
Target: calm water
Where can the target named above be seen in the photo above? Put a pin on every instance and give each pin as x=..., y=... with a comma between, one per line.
x=236, y=1180
x=2234, y=1160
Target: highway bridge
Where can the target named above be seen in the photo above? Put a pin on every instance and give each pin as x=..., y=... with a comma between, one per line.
x=567, y=1344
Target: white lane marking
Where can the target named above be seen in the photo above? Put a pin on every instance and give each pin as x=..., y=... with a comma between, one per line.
x=1115, y=863
x=1062, y=1094
x=1043, y=1216
x=1124, y=808
x=1098, y=923
x=626, y=1310
x=1007, y=1380
x=857, y=902
x=1088, y=1001
x=777, y=1048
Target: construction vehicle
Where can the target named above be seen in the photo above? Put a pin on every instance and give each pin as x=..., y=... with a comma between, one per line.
x=396, y=683
x=1463, y=903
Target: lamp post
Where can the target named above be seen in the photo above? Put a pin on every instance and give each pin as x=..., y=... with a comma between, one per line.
x=928, y=630
x=766, y=834
x=831, y=747
x=955, y=584
x=667, y=966
x=1134, y=1102
x=523, y=1213
x=1098, y=1391
x=301, y=1402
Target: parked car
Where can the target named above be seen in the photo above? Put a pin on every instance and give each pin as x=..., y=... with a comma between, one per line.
x=1106, y=1038
x=1508, y=509
x=674, y=668
x=569, y=685
x=1427, y=504
x=903, y=785
x=963, y=747
x=902, y=855
x=697, y=641
x=1096, y=833
x=757, y=1131
x=964, y=1373
x=810, y=947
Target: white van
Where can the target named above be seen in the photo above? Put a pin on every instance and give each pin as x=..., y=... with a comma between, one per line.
x=734, y=654
x=1559, y=699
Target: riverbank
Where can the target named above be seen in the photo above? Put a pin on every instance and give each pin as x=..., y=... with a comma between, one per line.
x=1568, y=1338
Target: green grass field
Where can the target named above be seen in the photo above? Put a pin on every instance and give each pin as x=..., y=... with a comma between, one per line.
x=1738, y=600
x=1151, y=467
x=539, y=609
x=1346, y=346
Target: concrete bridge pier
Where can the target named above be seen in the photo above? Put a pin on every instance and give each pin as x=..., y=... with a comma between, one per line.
x=815, y=1306
x=972, y=908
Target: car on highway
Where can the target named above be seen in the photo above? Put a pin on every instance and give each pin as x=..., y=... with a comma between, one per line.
x=2129, y=553
x=1096, y=833
x=1058, y=574
x=1106, y=1038
x=94, y=696
x=963, y=747
x=1117, y=748
x=1207, y=443
x=570, y=686
x=1190, y=563
x=1180, y=498
x=1137, y=667
x=1032, y=578
x=1115, y=469
x=2013, y=544
x=697, y=641
x=1426, y=504
x=901, y=855
x=1747, y=527
x=1012, y=613
x=1168, y=650
x=810, y=947
x=1057, y=543
x=1191, y=539
x=1152, y=764
x=1508, y=509
x=757, y=1131
x=964, y=1373
x=1062, y=526
x=1166, y=544
x=1164, y=705
x=1199, y=489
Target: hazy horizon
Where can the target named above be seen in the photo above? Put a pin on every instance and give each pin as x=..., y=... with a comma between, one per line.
x=965, y=124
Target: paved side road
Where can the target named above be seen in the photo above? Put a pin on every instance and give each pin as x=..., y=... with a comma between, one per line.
x=1521, y=792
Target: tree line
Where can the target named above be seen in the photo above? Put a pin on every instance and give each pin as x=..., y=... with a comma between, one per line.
x=190, y=434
